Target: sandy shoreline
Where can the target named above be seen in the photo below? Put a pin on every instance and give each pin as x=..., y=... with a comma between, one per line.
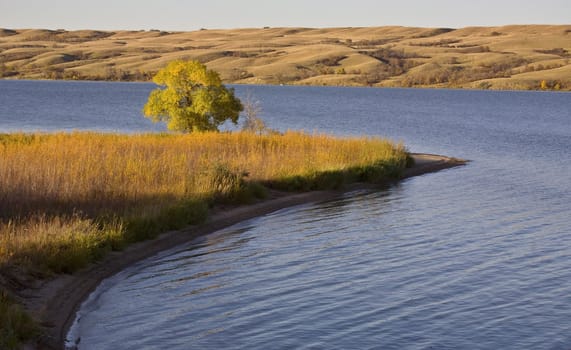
x=55, y=302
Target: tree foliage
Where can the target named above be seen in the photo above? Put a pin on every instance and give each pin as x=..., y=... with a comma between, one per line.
x=192, y=98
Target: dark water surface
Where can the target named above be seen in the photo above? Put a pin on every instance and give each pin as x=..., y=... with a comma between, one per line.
x=31, y=106
x=477, y=257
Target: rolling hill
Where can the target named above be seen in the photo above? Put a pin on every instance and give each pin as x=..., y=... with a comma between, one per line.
x=518, y=57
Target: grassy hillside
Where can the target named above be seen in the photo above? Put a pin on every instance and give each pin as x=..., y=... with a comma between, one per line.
x=510, y=57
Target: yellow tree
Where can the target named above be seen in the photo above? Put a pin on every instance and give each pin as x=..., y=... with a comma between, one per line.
x=192, y=98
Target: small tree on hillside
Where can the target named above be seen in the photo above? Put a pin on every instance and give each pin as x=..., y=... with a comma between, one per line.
x=193, y=98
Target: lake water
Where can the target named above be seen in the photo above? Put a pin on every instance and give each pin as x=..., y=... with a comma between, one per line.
x=477, y=257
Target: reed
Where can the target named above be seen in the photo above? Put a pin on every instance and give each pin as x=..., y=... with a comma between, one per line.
x=66, y=198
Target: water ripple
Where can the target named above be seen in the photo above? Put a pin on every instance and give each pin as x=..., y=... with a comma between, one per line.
x=470, y=258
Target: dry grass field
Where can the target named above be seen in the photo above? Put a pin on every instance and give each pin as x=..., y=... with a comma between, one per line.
x=67, y=195
x=509, y=57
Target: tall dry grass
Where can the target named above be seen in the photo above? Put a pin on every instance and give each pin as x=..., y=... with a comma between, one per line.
x=66, y=198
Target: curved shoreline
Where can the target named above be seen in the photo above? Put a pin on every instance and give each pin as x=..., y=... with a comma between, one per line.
x=55, y=302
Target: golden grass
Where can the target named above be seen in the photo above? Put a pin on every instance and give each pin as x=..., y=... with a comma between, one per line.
x=67, y=198
x=467, y=57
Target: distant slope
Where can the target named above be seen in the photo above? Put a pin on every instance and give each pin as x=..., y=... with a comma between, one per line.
x=510, y=57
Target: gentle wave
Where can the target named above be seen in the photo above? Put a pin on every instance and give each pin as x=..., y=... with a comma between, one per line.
x=362, y=272
x=474, y=257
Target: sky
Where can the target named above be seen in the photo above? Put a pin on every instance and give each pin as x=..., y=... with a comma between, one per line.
x=179, y=15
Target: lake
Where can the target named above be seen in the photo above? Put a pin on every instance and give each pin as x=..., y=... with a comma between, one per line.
x=474, y=257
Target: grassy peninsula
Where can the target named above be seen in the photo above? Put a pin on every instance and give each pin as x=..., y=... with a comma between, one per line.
x=68, y=199
x=522, y=57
